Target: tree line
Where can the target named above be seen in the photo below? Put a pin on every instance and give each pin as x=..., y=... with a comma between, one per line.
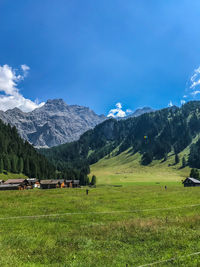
x=18, y=156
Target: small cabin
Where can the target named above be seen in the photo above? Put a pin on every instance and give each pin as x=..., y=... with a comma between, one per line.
x=1, y=182
x=76, y=183
x=68, y=183
x=49, y=184
x=22, y=183
x=188, y=182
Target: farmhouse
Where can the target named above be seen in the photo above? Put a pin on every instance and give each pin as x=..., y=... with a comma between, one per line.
x=191, y=182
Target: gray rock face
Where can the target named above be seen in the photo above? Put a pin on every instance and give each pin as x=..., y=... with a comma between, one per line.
x=53, y=124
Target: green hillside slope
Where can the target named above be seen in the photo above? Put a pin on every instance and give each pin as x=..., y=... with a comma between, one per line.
x=125, y=169
x=152, y=138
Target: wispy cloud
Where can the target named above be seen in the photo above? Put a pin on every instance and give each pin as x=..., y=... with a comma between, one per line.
x=183, y=102
x=117, y=112
x=11, y=96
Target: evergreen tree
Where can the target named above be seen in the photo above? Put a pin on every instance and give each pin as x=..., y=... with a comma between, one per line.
x=26, y=167
x=146, y=158
x=21, y=165
x=176, y=159
x=194, y=173
x=94, y=180
x=1, y=165
x=7, y=164
x=14, y=161
x=183, y=162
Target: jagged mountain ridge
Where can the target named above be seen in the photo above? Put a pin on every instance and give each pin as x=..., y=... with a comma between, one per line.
x=53, y=124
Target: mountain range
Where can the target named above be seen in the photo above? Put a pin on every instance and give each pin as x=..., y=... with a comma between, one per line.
x=52, y=124
x=55, y=122
x=153, y=135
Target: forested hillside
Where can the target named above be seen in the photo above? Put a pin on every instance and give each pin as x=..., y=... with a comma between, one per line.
x=153, y=135
x=18, y=156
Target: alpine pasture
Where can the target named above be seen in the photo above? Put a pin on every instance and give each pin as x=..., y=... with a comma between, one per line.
x=127, y=222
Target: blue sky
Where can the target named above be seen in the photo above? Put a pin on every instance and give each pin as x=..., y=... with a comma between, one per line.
x=99, y=53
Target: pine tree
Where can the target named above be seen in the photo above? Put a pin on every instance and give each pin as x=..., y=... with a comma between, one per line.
x=14, y=161
x=1, y=165
x=176, y=159
x=21, y=165
x=194, y=173
x=183, y=162
x=7, y=164
x=27, y=167
x=94, y=180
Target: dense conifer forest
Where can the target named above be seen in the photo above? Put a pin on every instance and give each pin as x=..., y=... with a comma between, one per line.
x=18, y=156
x=153, y=135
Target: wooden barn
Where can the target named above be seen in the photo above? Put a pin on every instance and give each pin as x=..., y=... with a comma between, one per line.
x=188, y=182
x=22, y=183
x=49, y=184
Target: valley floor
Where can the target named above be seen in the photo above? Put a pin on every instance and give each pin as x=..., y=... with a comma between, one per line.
x=111, y=226
x=125, y=169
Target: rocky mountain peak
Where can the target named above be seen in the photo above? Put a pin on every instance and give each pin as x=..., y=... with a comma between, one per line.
x=52, y=124
x=56, y=102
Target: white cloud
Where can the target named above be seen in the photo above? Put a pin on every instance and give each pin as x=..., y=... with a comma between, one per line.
x=11, y=97
x=194, y=85
x=25, y=69
x=194, y=93
x=183, y=102
x=117, y=112
x=170, y=104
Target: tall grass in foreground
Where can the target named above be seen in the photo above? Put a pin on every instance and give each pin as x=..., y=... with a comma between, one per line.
x=148, y=231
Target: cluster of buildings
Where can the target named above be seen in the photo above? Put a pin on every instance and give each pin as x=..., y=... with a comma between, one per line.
x=30, y=183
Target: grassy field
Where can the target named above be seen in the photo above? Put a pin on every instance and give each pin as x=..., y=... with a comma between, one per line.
x=112, y=226
x=10, y=175
x=129, y=219
x=126, y=169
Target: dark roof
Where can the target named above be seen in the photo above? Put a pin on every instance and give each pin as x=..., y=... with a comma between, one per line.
x=15, y=181
x=192, y=179
x=49, y=182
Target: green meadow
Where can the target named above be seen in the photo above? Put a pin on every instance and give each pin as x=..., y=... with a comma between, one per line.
x=111, y=226
x=129, y=219
x=125, y=169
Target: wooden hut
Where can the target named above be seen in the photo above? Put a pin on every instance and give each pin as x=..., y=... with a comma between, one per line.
x=68, y=183
x=49, y=184
x=23, y=183
x=188, y=182
x=76, y=183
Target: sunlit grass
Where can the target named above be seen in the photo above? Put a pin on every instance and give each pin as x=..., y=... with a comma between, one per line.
x=141, y=231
